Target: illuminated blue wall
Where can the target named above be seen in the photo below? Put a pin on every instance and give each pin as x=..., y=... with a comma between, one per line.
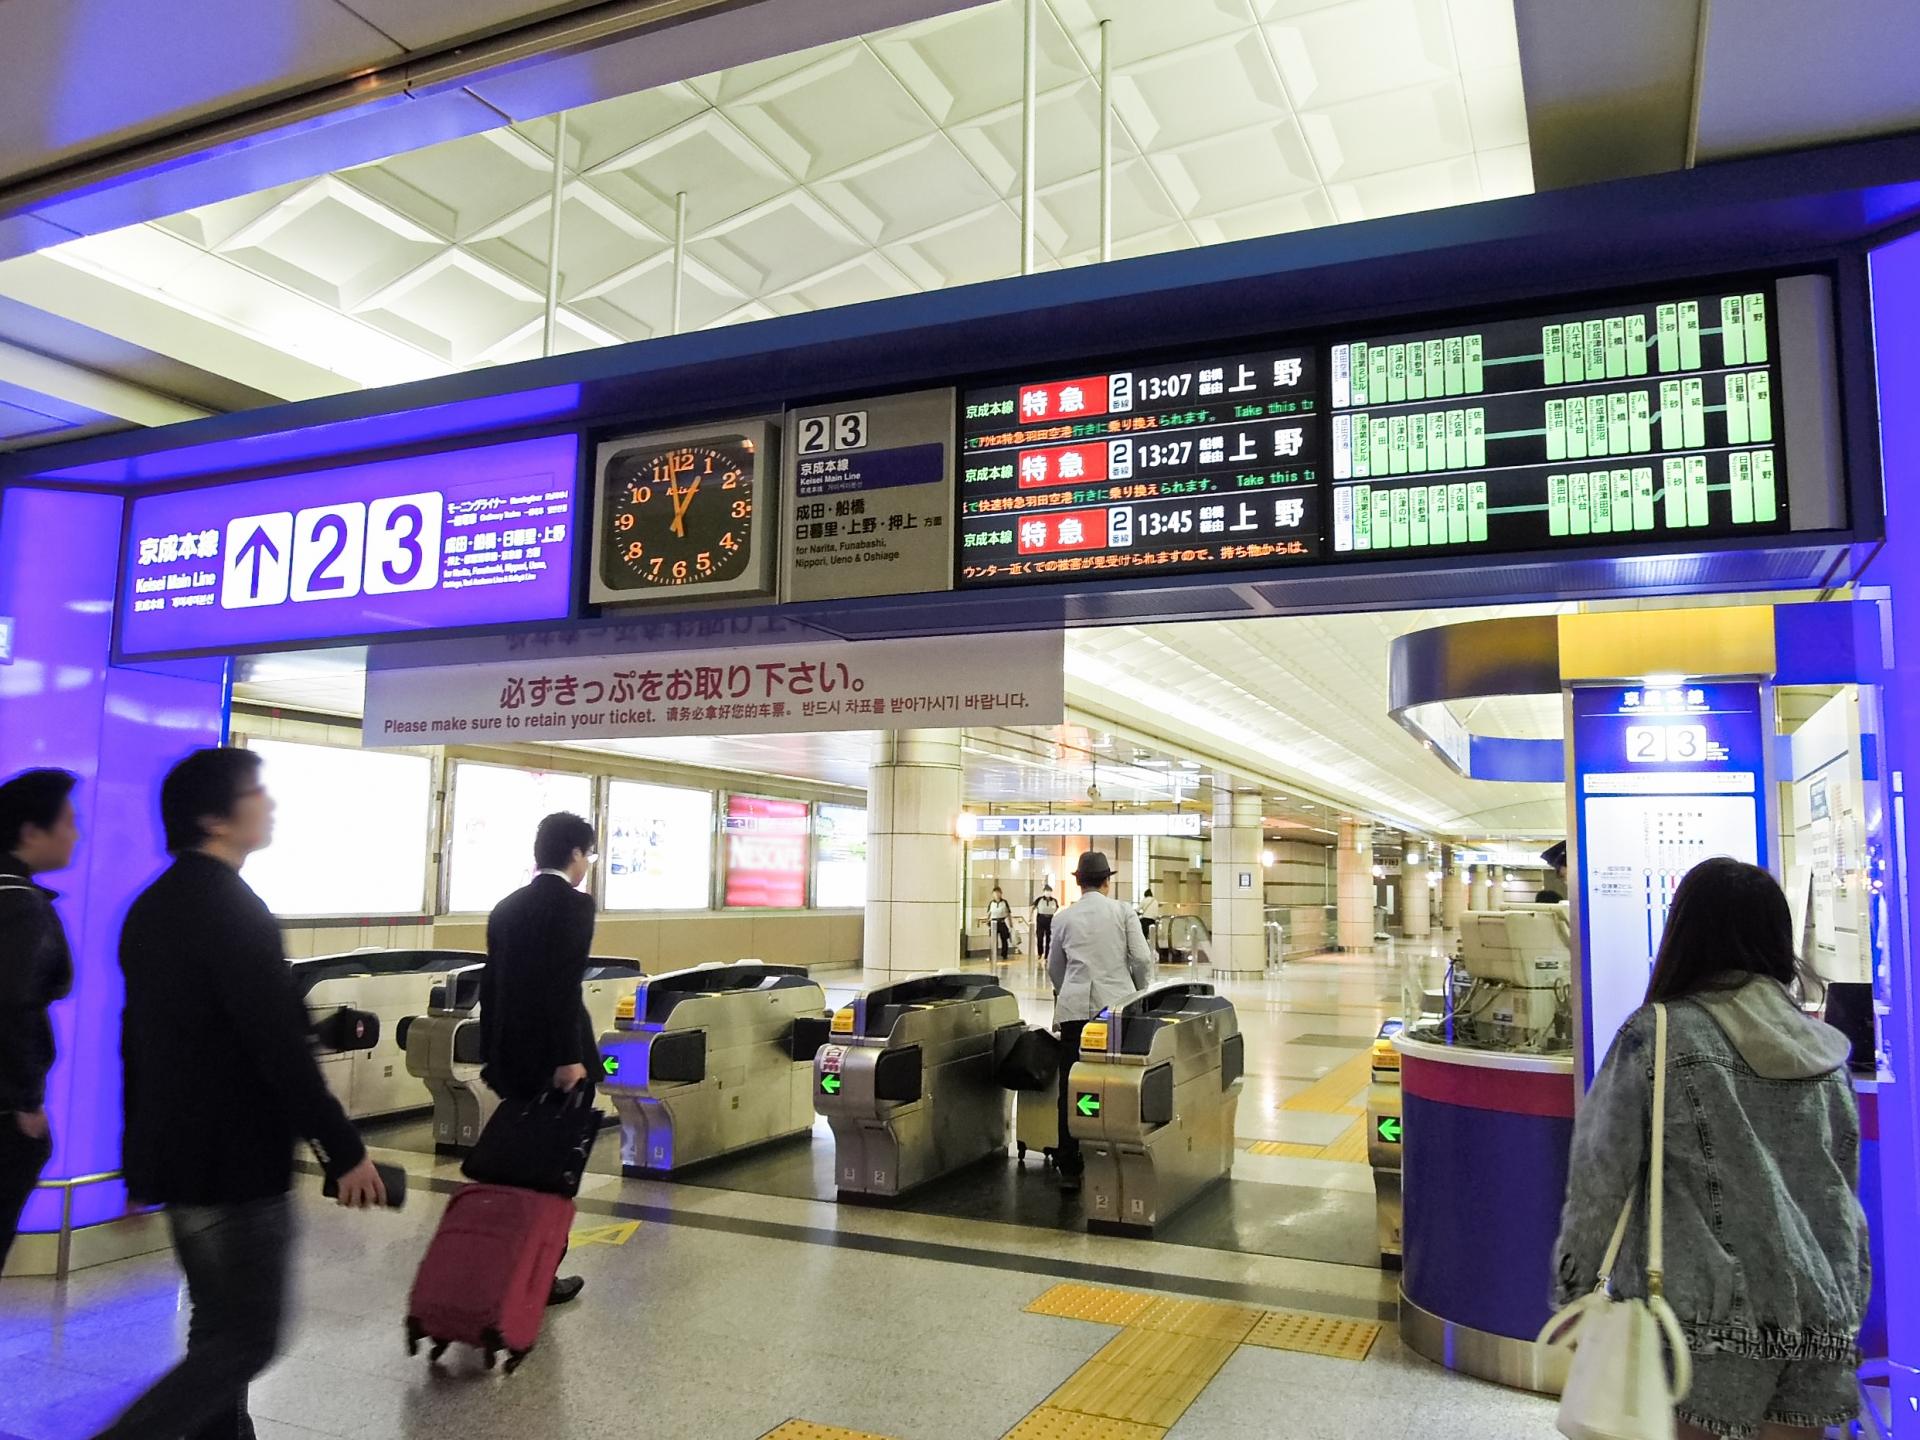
x=62, y=703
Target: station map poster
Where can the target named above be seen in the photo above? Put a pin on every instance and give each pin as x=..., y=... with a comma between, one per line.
x=869, y=498
x=1208, y=464
x=766, y=853
x=483, y=536
x=1666, y=776
x=1631, y=422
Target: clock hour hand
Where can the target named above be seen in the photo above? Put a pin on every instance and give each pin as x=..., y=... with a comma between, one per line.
x=680, y=503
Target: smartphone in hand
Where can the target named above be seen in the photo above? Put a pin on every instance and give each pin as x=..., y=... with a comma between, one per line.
x=391, y=1176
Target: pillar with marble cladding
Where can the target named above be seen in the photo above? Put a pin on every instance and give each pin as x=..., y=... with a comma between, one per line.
x=916, y=909
x=1239, y=942
x=1479, y=890
x=1497, y=889
x=1453, y=888
x=1416, y=900
x=1353, y=869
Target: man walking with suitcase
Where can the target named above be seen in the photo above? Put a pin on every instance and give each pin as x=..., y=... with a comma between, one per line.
x=220, y=1081
x=535, y=1034
x=37, y=835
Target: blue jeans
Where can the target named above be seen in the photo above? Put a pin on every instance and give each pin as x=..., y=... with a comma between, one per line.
x=236, y=1259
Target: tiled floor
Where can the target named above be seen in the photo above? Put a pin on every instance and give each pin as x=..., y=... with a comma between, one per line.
x=727, y=1314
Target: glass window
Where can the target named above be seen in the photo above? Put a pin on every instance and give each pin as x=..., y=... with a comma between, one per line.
x=495, y=812
x=766, y=853
x=352, y=831
x=839, y=857
x=659, y=847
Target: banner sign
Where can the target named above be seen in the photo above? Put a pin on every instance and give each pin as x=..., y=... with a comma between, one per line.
x=472, y=537
x=939, y=682
x=869, y=489
x=1115, y=825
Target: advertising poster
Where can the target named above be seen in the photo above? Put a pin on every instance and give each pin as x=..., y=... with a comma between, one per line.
x=659, y=847
x=332, y=802
x=495, y=813
x=839, y=857
x=766, y=853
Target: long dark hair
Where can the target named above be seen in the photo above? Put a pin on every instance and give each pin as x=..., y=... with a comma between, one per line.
x=1729, y=921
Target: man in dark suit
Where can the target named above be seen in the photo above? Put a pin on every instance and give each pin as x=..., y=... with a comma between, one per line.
x=535, y=1034
x=220, y=1081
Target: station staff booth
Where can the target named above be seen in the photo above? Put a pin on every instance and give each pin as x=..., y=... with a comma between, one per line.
x=1683, y=385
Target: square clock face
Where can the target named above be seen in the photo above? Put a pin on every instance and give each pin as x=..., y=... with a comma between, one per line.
x=683, y=515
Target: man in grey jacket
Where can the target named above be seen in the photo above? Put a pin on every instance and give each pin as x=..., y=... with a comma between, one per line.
x=1099, y=958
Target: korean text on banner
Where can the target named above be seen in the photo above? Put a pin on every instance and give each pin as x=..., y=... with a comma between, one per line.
x=932, y=683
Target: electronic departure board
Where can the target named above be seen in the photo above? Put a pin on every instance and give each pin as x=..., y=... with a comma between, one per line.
x=1628, y=422
x=1206, y=464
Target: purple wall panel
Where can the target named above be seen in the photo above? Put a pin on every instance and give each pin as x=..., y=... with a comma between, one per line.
x=118, y=728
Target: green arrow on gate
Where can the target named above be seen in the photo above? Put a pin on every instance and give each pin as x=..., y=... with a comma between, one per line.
x=1087, y=1105
x=829, y=1084
x=610, y=1064
x=1390, y=1129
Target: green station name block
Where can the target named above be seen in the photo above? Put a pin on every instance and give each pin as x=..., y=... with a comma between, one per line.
x=1412, y=370
x=1414, y=517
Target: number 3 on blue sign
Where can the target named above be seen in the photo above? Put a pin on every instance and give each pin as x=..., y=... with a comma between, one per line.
x=333, y=552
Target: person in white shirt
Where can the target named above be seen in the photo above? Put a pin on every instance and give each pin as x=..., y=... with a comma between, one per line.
x=1150, y=917
x=1045, y=906
x=1000, y=923
x=1099, y=957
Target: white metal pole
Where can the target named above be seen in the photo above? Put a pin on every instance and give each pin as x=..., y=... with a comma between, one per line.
x=553, y=234
x=679, y=254
x=1029, y=123
x=1106, y=144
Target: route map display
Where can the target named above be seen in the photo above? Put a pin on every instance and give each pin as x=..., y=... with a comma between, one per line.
x=1649, y=421
x=1206, y=464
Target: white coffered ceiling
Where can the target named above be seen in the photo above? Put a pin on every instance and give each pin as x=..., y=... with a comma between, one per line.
x=854, y=171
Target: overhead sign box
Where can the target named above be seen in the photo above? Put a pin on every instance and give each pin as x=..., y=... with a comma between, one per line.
x=466, y=538
x=1079, y=824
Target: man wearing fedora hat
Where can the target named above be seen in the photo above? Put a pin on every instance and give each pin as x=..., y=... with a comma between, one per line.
x=1099, y=957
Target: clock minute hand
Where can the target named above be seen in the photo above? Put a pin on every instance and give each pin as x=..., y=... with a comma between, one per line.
x=680, y=503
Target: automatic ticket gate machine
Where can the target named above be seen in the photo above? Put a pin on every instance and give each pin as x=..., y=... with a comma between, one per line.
x=358, y=1003
x=703, y=1062
x=1151, y=1099
x=907, y=1081
x=443, y=1051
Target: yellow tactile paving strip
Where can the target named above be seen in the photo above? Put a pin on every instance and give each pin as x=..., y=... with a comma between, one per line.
x=1334, y=1092
x=1167, y=1352
x=1287, y=1149
x=1048, y=1423
x=1314, y=1334
x=807, y=1430
x=1349, y=1147
x=1144, y=1377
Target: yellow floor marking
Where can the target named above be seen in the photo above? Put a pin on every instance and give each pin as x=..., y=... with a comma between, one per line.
x=807, y=1430
x=1145, y=1377
x=1202, y=1319
x=1047, y=1423
x=1334, y=1092
x=1315, y=1335
x=1289, y=1149
x=1351, y=1146
x=1099, y=1303
x=616, y=1234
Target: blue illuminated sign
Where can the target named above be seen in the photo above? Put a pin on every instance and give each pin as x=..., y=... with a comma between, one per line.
x=483, y=536
x=1667, y=775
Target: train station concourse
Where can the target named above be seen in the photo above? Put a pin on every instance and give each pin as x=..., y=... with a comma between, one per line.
x=1107, y=637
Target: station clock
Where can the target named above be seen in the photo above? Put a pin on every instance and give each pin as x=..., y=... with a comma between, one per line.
x=685, y=515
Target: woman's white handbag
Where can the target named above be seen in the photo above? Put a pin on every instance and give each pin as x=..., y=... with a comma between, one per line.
x=1630, y=1362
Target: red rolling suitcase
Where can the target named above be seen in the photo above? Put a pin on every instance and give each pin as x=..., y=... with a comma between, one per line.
x=487, y=1275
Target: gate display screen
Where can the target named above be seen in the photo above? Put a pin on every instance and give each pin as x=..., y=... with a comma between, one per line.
x=1624, y=423
x=1207, y=464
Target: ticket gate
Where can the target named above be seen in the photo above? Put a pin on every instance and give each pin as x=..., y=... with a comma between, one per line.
x=443, y=1051
x=710, y=1060
x=1151, y=1099
x=907, y=1084
x=363, y=1065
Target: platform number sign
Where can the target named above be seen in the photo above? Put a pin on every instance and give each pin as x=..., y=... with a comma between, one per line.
x=333, y=552
x=823, y=434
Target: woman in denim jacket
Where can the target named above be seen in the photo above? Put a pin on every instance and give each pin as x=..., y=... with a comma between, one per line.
x=1766, y=1244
